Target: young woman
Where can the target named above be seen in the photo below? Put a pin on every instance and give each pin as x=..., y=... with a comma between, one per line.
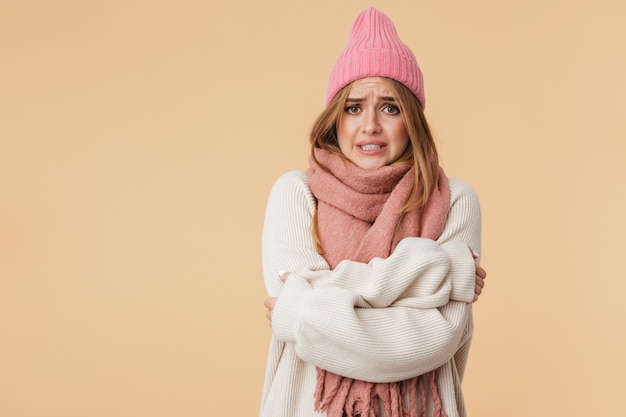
x=370, y=257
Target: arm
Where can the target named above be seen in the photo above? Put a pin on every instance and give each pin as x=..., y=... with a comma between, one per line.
x=399, y=278
x=370, y=344
x=402, y=341
x=463, y=226
x=288, y=246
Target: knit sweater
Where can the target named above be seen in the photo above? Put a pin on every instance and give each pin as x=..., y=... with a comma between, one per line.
x=388, y=320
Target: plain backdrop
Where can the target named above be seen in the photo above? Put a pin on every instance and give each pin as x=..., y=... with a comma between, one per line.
x=139, y=141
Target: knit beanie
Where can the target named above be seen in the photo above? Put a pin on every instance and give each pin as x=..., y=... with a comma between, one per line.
x=375, y=50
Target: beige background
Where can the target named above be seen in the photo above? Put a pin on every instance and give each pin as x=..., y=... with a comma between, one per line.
x=139, y=140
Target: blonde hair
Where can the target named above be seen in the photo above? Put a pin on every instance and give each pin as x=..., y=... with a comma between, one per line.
x=421, y=152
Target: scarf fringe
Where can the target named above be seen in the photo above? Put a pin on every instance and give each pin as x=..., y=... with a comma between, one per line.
x=345, y=397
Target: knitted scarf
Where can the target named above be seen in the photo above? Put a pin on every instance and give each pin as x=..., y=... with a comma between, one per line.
x=359, y=218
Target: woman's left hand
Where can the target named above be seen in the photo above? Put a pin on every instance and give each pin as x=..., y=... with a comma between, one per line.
x=270, y=302
x=481, y=274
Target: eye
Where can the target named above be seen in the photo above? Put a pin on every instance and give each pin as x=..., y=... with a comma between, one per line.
x=352, y=109
x=391, y=109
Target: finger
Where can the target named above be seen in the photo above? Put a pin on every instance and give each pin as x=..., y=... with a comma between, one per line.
x=480, y=271
x=269, y=302
x=284, y=276
x=479, y=282
x=478, y=290
x=268, y=315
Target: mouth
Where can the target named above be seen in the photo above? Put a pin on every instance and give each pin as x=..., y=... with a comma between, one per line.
x=370, y=147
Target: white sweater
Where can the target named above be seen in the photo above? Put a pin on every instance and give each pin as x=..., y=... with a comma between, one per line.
x=388, y=320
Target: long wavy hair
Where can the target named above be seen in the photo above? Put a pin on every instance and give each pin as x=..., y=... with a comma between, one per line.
x=420, y=153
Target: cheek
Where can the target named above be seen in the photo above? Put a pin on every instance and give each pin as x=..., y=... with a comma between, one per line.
x=401, y=135
x=342, y=126
x=343, y=133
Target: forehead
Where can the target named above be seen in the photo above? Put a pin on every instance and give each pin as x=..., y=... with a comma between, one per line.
x=377, y=86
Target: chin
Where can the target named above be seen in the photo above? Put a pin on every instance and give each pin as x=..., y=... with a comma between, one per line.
x=371, y=166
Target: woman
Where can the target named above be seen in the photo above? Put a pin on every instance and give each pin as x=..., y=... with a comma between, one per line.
x=373, y=314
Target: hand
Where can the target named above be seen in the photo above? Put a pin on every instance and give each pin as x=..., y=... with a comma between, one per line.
x=481, y=274
x=270, y=302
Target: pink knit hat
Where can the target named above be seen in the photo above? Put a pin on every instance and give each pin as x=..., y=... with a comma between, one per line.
x=375, y=50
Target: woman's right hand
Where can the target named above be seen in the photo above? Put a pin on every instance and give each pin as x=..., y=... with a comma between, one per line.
x=270, y=302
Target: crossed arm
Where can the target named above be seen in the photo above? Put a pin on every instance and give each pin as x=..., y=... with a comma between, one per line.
x=383, y=321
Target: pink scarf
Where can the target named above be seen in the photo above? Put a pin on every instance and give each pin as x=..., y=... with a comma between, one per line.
x=358, y=212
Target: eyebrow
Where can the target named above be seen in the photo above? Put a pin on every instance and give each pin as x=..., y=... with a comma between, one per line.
x=357, y=99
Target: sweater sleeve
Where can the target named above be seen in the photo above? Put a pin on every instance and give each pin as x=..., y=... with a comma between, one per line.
x=419, y=271
x=327, y=322
x=462, y=232
x=370, y=344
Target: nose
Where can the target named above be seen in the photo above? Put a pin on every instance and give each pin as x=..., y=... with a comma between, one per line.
x=371, y=124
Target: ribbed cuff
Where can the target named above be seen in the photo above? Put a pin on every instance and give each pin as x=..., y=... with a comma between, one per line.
x=290, y=307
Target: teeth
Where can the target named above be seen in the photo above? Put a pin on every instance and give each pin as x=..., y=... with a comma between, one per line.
x=370, y=147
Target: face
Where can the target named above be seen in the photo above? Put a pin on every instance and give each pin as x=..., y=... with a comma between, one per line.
x=371, y=132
